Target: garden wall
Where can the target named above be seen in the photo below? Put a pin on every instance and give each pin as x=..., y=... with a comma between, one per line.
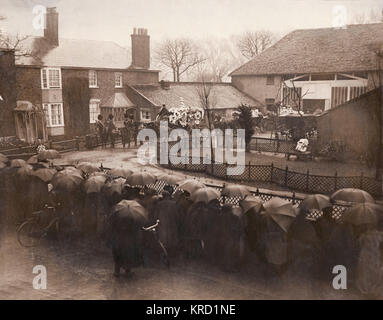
x=354, y=125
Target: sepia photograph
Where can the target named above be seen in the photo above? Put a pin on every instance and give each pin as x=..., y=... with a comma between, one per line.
x=197, y=150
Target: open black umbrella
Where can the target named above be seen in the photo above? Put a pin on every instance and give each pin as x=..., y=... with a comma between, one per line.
x=49, y=154
x=18, y=163
x=141, y=179
x=94, y=184
x=3, y=158
x=205, y=195
x=235, y=190
x=44, y=174
x=281, y=211
x=251, y=202
x=120, y=172
x=352, y=195
x=67, y=180
x=191, y=185
x=132, y=212
x=170, y=179
x=363, y=213
x=315, y=202
x=88, y=167
x=114, y=186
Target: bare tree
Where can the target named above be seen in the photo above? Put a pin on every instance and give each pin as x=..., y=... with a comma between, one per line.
x=179, y=55
x=252, y=43
x=363, y=18
x=221, y=57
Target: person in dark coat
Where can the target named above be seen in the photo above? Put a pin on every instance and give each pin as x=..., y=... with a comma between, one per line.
x=337, y=245
x=110, y=128
x=192, y=228
x=167, y=212
x=125, y=238
x=303, y=254
x=212, y=244
x=232, y=229
x=272, y=244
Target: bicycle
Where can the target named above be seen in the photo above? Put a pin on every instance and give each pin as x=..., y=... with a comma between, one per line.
x=164, y=255
x=31, y=231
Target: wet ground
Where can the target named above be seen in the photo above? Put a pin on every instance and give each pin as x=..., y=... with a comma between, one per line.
x=79, y=268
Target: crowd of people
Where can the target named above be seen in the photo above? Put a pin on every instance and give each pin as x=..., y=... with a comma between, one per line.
x=212, y=229
x=107, y=131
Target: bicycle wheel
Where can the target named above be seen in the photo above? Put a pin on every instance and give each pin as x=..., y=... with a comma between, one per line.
x=29, y=234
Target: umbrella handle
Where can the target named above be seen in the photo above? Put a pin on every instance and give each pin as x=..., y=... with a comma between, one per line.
x=152, y=227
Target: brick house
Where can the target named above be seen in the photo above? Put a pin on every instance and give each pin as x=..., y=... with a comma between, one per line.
x=73, y=81
x=314, y=68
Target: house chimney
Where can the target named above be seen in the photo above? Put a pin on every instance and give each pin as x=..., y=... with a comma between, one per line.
x=51, y=31
x=140, y=49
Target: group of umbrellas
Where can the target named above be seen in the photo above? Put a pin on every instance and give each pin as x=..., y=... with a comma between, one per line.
x=362, y=208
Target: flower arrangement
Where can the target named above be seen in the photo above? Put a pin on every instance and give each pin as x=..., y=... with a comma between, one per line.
x=184, y=116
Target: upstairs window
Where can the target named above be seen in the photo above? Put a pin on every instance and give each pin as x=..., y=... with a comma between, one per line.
x=92, y=79
x=51, y=78
x=118, y=79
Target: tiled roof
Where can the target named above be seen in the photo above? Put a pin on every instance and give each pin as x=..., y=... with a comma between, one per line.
x=75, y=53
x=118, y=100
x=319, y=50
x=222, y=95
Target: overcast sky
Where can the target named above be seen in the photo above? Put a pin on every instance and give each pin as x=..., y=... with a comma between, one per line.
x=115, y=19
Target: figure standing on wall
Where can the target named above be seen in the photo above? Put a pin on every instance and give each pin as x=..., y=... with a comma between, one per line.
x=110, y=130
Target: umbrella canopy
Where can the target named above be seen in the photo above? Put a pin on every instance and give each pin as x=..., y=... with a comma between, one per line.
x=363, y=213
x=72, y=171
x=49, y=154
x=191, y=185
x=67, y=180
x=115, y=186
x=44, y=174
x=3, y=158
x=87, y=167
x=25, y=170
x=169, y=179
x=141, y=179
x=18, y=163
x=281, y=211
x=33, y=160
x=352, y=195
x=120, y=172
x=94, y=184
x=98, y=174
x=251, y=202
x=315, y=202
x=205, y=195
x=132, y=212
x=235, y=190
